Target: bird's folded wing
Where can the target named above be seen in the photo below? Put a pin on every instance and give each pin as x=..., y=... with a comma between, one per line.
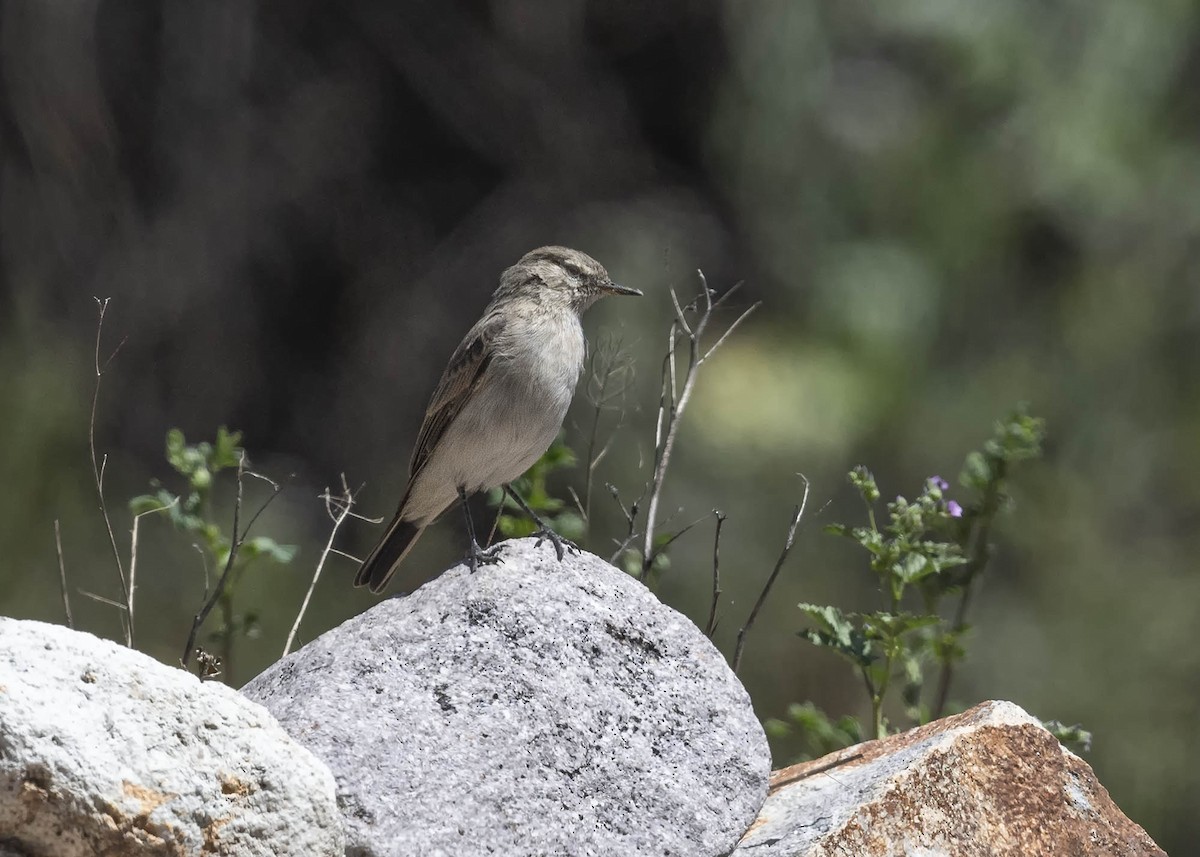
x=458, y=385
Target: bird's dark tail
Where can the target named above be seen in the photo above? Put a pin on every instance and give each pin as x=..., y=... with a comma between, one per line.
x=379, y=567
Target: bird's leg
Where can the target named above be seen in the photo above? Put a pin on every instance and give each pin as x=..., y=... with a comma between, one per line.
x=543, y=531
x=476, y=556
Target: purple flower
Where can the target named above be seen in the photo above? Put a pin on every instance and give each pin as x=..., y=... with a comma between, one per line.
x=939, y=483
x=954, y=509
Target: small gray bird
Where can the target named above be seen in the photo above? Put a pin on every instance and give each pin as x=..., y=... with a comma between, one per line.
x=501, y=400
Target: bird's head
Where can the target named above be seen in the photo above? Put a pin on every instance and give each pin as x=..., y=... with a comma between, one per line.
x=558, y=276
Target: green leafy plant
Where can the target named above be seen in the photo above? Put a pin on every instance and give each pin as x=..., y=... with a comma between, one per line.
x=927, y=550
x=191, y=513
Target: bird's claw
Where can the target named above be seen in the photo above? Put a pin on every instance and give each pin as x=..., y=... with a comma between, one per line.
x=477, y=556
x=561, y=545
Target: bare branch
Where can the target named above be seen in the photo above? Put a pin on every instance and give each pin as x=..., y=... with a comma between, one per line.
x=669, y=418
x=110, y=602
x=621, y=546
x=730, y=330
x=658, y=550
x=364, y=517
x=496, y=521
x=204, y=563
x=578, y=503
x=762, y=596
x=338, y=510
x=630, y=513
x=730, y=292
x=711, y=625
x=133, y=546
x=680, y=317
x=62, y=576
x=98, y=467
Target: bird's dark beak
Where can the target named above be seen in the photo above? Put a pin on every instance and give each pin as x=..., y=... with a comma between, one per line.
x=613, y=289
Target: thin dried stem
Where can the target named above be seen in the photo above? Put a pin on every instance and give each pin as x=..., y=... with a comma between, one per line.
x=62, y=576
x=762, y=596
x=622, y=545
x=711, y=626
x=491, y=536
x=631, y=513
x=670, y=415
x=728, y=331
x=133, y=553
x=204, y=564
x=674, y=536
x=103, y=600
x=98, y=466
x=338, y=509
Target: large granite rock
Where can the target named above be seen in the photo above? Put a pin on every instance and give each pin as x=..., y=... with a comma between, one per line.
x=990, y=782
x=533, y=707
x=103, y=750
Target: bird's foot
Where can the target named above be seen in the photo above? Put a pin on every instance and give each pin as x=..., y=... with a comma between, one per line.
x=477, y=556
x=561, y=545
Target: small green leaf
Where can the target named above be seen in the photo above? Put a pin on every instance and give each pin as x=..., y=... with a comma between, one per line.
x=776, y=728
x=835, y=631
x=264, y=546
x=225, y=453
x=1074, y=738
x=891, y=626
x=912, y=567
x=201, y=479
x=176, y=444
x=976, y=472
x=147, y=503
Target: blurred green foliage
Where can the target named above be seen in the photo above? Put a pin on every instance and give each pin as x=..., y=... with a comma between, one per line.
x=930, y=549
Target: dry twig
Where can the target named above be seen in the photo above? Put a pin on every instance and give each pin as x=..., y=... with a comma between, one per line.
x=133, y=553
x=674, y=398
x=630, y=512
x=98, y=466
x=762, y=596
x=339, y=509
x=711, y=626
x=102, y=599
x=62, y=576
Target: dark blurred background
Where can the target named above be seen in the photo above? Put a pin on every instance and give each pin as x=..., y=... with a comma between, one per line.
x=298, y=208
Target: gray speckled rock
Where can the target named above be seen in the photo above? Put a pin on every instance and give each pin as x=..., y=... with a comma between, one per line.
x=103, y=750
x=534, y=707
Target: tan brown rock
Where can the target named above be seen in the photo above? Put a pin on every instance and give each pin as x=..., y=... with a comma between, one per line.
x=990, y=781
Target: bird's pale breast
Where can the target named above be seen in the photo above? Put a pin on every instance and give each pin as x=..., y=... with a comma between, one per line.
x=514, y=415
